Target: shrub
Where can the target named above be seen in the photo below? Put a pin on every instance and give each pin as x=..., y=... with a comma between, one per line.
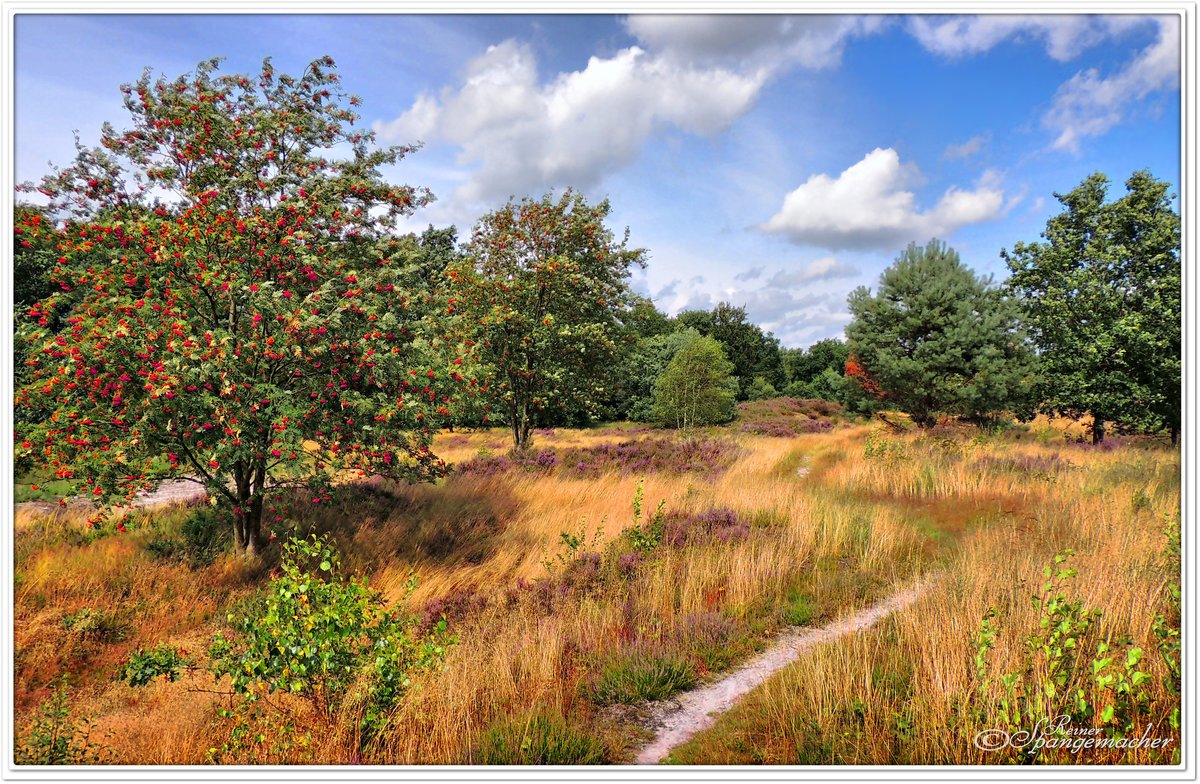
x=1034, y=466
x=538, y=738
x=788, y=407
x=451, y=608
x=879, y=448
x=543, y=461
x=54, y=739
x=628, y=563
x=640, y=674
x=787, y=428
x=314, y=633
x=761, y=389
x=643, y=534
x=1057, y=676
x=144, y=666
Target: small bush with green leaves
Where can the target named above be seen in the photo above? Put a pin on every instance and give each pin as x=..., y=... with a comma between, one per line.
x=55, y=739
x=146, y=665
x=1056, y=678
x=645, y=534
x=314, y=633
x=641, y=674
x=880, y=448
x=1167, y=625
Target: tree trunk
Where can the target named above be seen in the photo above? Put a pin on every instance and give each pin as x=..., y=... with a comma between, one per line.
x=247, y=522
x=1174, y=435
x=521, y=426
x=247, y=513
x=1097, y=429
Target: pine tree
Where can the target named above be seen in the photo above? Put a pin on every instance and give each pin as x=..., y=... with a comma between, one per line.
x=938, y=339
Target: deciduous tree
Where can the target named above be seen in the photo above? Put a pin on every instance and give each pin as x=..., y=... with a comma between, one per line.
x=1103, y=297
x=698, y=387
x=539, y=295
x=232, y=311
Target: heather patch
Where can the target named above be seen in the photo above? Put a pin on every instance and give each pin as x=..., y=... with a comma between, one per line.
x=786, y=407
x=652, y=455
x=720, y=524
x=452, y=608
x=541, y=462
x=786, y=428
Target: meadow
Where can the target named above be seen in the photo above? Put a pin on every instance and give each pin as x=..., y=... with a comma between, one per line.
x=612, y=567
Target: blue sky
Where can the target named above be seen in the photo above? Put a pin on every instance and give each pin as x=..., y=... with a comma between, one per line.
x=771, y=161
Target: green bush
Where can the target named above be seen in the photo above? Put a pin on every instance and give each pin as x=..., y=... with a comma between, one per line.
x=1106, y=689
x=314, y=633
x=146, y=665
x=54, y=739
x=538, y=738
x=640, y=675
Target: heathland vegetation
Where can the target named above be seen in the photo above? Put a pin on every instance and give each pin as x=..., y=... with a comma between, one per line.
x=480, y=502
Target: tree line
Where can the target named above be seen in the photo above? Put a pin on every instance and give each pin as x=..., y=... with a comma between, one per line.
x=212, y=293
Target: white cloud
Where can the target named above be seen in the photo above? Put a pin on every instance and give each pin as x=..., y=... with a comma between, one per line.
x=522, y=137
x=1065, y=36
x=1088, y=104
x=868, y=206
x=813, y=41
x=966, y=149
x=827, y=268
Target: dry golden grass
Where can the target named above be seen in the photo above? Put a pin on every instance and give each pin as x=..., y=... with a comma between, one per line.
x=826, y=522
x=902, y=693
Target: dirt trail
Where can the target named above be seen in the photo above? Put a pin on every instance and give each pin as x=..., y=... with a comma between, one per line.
x=682, y=717
x=174, y=491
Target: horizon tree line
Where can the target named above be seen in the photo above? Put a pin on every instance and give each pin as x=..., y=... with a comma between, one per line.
x=210, y=292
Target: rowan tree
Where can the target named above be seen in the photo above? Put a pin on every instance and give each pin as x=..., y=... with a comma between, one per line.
x=1104, y=300
x=233, y=310
x=540, y=293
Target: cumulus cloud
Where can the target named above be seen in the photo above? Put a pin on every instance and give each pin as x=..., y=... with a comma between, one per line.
x=966, y=149
x=751, y=274
x=1088, y=104
x=1064, y=36
x=868, y=206
x=521, y=136
x=756, y=40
